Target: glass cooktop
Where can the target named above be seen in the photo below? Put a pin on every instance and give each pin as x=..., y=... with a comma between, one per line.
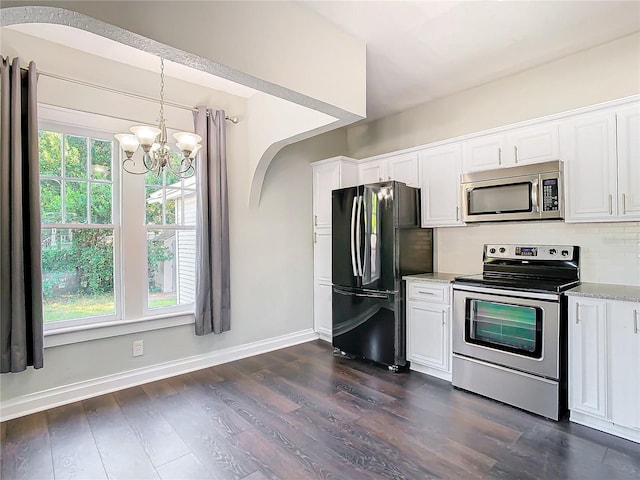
x=528, y=284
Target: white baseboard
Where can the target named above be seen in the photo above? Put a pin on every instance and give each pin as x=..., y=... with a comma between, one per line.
x=36, y=402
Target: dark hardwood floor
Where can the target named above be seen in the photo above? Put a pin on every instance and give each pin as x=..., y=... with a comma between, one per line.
x=300, y=413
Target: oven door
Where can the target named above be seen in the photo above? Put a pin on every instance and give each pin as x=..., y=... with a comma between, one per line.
x=507, y=330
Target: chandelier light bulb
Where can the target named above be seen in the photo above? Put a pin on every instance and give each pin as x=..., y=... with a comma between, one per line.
x=146, y=135
x=128, y=142
x=195, y=150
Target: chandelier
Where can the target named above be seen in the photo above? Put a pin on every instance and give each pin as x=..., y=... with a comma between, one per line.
x=157, y=153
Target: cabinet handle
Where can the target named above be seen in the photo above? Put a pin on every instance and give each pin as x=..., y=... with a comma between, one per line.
x=315, y=220
x=389, y=177
x=624, y=204
x=500, y=156
x=577, y=313
x=444, y=320
x=426, y=293
x=635, y=321
x=457, y=214
x=610, y=204
x=515, y=151
x=379, y=179
x=315, y=237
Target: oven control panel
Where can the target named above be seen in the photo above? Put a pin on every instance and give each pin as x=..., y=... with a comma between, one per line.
x=525, y=252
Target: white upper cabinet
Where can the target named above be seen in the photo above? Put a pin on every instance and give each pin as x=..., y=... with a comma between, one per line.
x=628, y=141
x=329, y=175
x=403, y=168
x=602, y=165
x=372, y=171
x=439, y=170
x=517, y=147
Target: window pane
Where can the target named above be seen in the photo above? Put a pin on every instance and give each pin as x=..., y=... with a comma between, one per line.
x=50, y=201
x=50, y=145
x=154, y=198
x=77, y=273
x=76, y=202
x=100, y=159
x=172, y=203
x=75, y=156
x=100, y=203
x=171, y=272
x=153, y=179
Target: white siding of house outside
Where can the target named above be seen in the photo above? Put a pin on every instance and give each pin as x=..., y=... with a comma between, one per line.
x=186, y=249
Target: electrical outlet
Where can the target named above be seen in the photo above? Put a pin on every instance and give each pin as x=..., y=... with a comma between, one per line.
x=138, y=348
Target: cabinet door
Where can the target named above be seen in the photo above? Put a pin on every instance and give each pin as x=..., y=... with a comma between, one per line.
x=588, y=147
x=322, y=309
x=534, y=144
x=403, y=168
x=326, y=177
x=587, y=356
x=484, y=153
x=322, y=255
x=372, y=172
x=428, y=334
x=624, y=363
x=628, y=130
x=440, y=170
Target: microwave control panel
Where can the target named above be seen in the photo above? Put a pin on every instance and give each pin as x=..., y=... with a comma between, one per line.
x=550, y=195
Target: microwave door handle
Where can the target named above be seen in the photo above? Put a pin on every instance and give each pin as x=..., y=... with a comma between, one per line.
x=535, y=197
x=353, y=237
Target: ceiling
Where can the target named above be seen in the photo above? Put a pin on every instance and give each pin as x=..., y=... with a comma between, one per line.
x=418, y=51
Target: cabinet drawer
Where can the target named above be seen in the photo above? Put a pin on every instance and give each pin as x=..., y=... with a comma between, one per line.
x=428, y=292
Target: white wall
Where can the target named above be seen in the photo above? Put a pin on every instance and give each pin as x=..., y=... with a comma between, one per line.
x=271, y=249
x=610, y=252
x=607, y=72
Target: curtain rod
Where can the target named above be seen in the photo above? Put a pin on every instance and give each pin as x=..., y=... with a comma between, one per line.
x=233, y=120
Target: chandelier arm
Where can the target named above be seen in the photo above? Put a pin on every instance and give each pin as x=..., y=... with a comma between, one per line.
x=124, y=167
x=180, y=172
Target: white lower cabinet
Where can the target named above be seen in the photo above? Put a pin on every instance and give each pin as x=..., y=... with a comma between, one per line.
x=322, y=310
x=429, y=328
x=604, y=365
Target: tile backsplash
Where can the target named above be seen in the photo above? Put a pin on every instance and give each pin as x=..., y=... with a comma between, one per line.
x=610, y=252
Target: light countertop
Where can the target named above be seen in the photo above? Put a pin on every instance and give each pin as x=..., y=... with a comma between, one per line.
x=606, y=291
x=436, y=277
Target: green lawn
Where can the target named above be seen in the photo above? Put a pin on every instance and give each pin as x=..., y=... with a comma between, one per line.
x=68, y=307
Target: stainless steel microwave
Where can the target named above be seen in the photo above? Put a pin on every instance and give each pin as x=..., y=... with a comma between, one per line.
x=528, y=192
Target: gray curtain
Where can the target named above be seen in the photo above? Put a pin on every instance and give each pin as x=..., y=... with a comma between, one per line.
x=212, y=239
x=21, y=336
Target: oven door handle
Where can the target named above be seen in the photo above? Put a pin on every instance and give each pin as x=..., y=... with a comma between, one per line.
x=535, y=205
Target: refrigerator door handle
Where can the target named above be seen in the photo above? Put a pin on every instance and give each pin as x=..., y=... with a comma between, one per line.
x=353, y=237
x=339, y=291
x=359, y=235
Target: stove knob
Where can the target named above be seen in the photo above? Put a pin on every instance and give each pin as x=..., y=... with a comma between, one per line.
x=492, y=250
x=552, y=251
x=565, y=253
x=502, y=250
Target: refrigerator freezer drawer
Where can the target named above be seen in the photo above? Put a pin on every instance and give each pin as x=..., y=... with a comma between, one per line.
x=367, y=325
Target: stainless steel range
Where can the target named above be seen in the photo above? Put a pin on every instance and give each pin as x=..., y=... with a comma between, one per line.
x=510, y=326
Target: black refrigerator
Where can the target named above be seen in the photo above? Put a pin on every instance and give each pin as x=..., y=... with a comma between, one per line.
x=376, y=239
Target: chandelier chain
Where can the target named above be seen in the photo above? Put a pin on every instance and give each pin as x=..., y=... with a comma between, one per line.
x=161, y=88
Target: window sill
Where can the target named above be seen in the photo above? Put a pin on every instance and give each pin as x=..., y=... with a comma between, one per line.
x=85, y=333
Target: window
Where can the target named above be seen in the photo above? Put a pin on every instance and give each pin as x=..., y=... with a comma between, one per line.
x=171, y=238
x=78, y=228
x=115, y=246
